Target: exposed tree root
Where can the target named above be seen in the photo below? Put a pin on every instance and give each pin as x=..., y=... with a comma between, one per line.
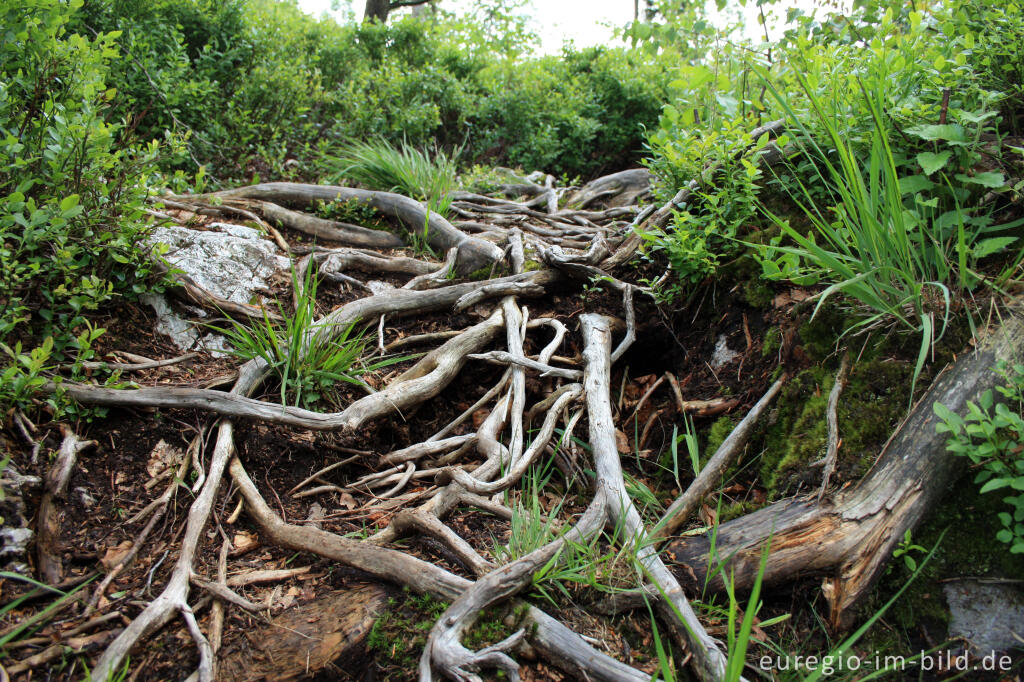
x=342, y=233
x=54, y=488
x=174, y=597
x=566, y=648
x=416, y=488
x=473, y=253
x=708, y=660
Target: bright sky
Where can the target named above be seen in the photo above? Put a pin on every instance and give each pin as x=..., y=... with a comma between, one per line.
x=585, y=22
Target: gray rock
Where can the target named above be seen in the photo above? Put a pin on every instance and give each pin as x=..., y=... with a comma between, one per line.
x=989, y=616
x=723, y=355
x=231, y=261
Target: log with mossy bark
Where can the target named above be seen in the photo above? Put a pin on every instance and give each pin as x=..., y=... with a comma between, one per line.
x=849, y=538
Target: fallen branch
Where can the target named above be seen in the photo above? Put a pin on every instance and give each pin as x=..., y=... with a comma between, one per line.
x=710, y=476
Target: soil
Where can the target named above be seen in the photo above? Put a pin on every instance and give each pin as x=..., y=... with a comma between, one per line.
x=121, y=476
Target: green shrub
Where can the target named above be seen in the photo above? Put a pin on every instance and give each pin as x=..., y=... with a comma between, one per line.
x=72, y=188
x=991, y=435
x=944, y=139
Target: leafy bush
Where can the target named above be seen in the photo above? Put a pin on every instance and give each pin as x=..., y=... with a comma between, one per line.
x=945, y=141
x=888, y=247
x=72, y=188
x=991, y=435
x=259, y=89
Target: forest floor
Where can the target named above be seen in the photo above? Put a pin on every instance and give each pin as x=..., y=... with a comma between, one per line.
x=313, y=617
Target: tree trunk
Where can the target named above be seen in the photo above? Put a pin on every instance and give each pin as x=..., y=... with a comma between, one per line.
x=377, y=9
x=849, y=539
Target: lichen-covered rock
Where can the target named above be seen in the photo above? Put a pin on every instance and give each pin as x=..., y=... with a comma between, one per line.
x=230, y=261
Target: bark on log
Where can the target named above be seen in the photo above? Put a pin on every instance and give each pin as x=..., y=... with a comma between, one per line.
x=849, y=539
x=440, y=234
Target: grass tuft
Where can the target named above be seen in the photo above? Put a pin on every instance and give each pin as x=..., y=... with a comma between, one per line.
x=417, y=173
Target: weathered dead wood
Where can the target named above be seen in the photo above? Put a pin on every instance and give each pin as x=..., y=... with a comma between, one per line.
x=850, y=538
x=505, y=358
x=440, y=234
x=210, y=209
x=332, y=230
x=336, y=260
x=444, y=649
x=138, y=366
x=307, y=638
x=74, y=645
x=421, y=521
x=438, y=364
x=519, y=467
x=618, y=189
x=707, y=659
x=436, y=278
x=55, y=487
x=468, y=412
x=156, y=509
x=566, y=649
x=175, y=595
x=711, y=475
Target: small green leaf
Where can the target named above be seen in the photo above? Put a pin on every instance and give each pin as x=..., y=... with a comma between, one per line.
x=994, y=484
x=915, y=183
x=931, y=162
x=990, y=179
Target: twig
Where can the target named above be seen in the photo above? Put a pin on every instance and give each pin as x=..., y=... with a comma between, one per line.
x=679, y=511
x=647, y=394
x=832, y=416
x=327, y=469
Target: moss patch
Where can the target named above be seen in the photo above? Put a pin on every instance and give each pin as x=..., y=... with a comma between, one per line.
x=872, y=404
x=490, y=628
x=772, y=342
x=400, y=634
x=719, y=431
